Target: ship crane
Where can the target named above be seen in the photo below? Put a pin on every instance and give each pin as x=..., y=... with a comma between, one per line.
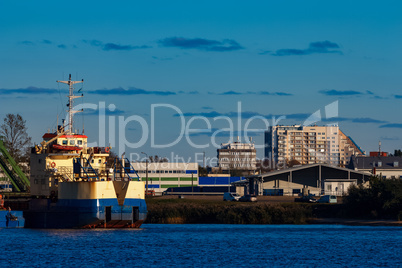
x=44, y=144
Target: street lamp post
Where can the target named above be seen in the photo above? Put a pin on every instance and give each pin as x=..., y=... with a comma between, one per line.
x=229, y=180
x=192, y=183
x=146, y=174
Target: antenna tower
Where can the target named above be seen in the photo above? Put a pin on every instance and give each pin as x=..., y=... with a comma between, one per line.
x=71, y=97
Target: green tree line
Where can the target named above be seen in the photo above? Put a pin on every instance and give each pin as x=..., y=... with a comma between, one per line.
x=382, y=199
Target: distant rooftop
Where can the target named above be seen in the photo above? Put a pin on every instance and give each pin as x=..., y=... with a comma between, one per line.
x=379, y=162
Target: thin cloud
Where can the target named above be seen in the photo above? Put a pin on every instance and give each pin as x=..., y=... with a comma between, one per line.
x=217, y=132
x=321, y=47
x=212, y=114
x=28, y=91
x=265, y=52
x=274, y=93
x=201, y=44
x=390, y=138
x=334, y=92
x=98, y=112
x=206, y=108
x=340, y=93
x=296, y=117
x=113, y=46
x=204, y=114
x=368, y=120
x=194, y=92
x=43, y=42
x=231, y=92
x=130, y=91
x=391, y=126
x=28, y=43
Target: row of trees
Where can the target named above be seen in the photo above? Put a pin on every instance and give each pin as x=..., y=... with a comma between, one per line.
x=382, y=199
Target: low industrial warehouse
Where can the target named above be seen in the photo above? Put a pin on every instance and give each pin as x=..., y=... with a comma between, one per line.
x=316, y=179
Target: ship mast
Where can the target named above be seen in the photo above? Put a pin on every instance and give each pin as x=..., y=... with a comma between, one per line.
x=71, y=97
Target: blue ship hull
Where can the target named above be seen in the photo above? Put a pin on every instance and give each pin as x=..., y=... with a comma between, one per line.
x=93, y=213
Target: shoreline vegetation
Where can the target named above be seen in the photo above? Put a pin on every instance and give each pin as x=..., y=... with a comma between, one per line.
x=192, y=211
x=199, y=211
x=378, y=203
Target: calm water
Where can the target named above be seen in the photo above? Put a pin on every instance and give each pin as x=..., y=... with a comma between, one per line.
x=204, y=246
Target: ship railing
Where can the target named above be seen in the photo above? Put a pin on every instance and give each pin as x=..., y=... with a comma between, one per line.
x=63, y=173
x=66, y=173
x=86, y=169
x=89, y=170
x=131, y=168
x=127, y=169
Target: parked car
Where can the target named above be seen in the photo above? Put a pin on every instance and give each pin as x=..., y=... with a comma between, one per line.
x=328, y=199
x=248, y=198
x=306, y=199
x=231, y=197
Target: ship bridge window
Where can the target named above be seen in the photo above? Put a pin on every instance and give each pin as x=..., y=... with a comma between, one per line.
x=71, y=142
x=79, y=142
x=100, y=161
x=65, y=142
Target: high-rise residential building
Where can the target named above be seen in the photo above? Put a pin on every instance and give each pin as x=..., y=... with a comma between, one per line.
x=237, y=156
x=309, y=145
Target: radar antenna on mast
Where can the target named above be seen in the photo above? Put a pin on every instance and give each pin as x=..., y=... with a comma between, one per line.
x=71, y=97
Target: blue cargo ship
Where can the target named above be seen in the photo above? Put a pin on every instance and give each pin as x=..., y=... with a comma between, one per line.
x=76, y=186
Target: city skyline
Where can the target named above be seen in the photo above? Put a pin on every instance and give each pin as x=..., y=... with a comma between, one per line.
x=207, y=60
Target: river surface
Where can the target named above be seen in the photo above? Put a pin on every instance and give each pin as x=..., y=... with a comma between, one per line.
x=200, y=245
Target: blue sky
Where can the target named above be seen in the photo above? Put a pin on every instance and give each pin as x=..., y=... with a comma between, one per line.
x=276, y=58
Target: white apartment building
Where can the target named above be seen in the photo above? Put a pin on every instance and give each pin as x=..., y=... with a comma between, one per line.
x=310, y=145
